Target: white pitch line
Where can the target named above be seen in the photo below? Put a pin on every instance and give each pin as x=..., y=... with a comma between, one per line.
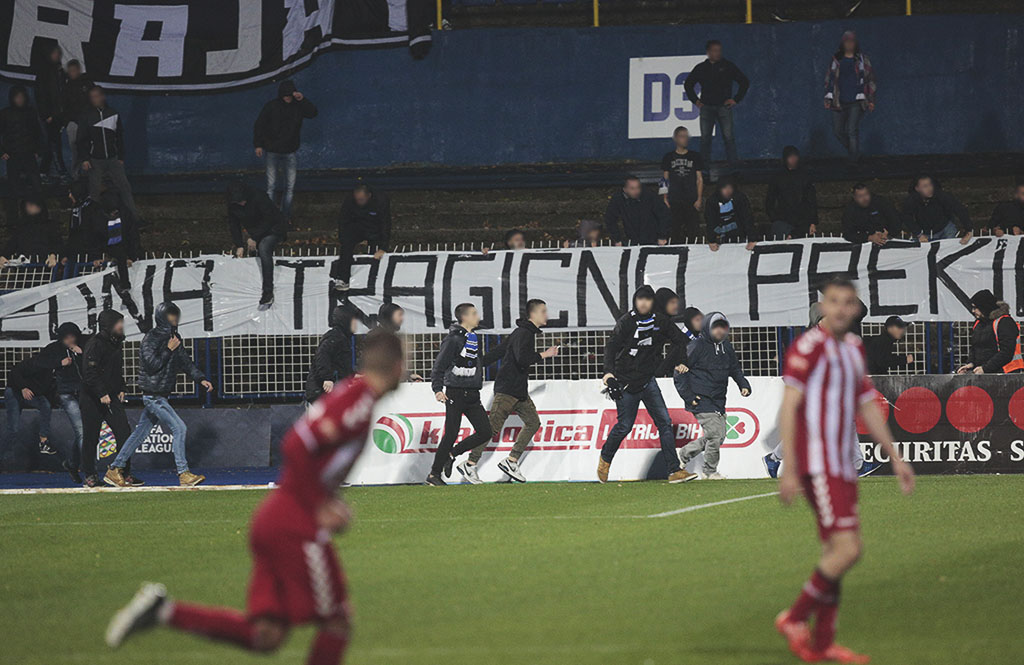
x=690, y=509
x=148, y=488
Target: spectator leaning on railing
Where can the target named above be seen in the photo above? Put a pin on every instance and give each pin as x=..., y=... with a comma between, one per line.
x=33, y=235
x=995, y=338
x=849, y=92
x=1008, y=217
x=791, y=200
x=716, y=77
x=869, y=218
x=635, y=216
x=251, y=209
x=729, y=216
x=930, y=213
x=588, y=234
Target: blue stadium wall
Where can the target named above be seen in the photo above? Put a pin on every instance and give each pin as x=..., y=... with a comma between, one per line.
x=947, y=84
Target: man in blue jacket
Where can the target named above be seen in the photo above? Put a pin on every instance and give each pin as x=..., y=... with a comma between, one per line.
x=161, y=359
x=712, y=361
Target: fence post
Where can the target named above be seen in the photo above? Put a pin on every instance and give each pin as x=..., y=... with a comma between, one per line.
x=750, y=11
x=597, y=18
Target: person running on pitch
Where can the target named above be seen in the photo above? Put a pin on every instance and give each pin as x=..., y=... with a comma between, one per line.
x=512, y=394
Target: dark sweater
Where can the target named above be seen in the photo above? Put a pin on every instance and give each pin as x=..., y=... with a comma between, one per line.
x=19, y=128
x=519, y=354
x=716, y=82
x=278, y=127
x=859, y=223
x=879, y=349
x=922, y=215
x=371, y=221
x=791, y=198
x=640, y=221
x=1008, y=215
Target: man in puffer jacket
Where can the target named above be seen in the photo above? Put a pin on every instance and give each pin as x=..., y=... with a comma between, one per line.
x=161, y=359
x=712, y=361
x=333, y=359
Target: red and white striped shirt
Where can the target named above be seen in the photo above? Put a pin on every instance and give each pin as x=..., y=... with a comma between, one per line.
x=832, y=375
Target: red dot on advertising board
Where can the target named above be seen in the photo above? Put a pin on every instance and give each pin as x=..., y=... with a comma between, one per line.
x=1016, y=408
x=969, y=409
x=918, y=410
x=883, y=406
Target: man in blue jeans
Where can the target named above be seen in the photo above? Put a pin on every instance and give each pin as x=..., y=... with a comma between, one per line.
x=931, y=213
x=716, y=77
x=276, y=138
x=161, y=359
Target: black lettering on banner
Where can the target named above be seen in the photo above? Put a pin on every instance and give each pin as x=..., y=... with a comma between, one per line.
x=565, y=259
x=147, y=295
x=815, y=278
x=335, y=297
x=90, y=306
x=110, y=283
x=203, y=293
x=485, y=293
x=876, y=308
x=53, y=316
x=755, y=280
x=937, y=273
x=370, y=288
x=426, y=291
x=298, y=291
x=625, y=297
x=588, y=264
x=506, y=291
x=680, y=251
x=997, y=267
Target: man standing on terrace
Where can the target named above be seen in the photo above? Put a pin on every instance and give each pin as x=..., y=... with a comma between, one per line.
x=716, y=77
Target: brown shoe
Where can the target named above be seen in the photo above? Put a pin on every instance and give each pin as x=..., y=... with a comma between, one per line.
x=189, y=479
x=602, y=470
x=682, y=476
x=114, y=478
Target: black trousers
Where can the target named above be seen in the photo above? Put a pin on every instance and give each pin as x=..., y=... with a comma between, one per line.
x=54, y=149
x=22, y=181
x=94, y=413
x=461, y=402
x=349, y=240
x=687, y=222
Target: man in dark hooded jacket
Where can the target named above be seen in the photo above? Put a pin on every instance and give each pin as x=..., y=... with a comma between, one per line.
x=102, y=395
x=161, y=358
x=20, y=144
x=712, y=362
x=333, y=359
x=50, y=83
x=87, y=229
x=390, y=317
x=791, y=200
x=689, y=322
x=728, y=215
x=33, y=235
x=365, y=217
x=632, y=357
x=276, y=137
x=995, y=338
x=252, y=210
x=880, y=349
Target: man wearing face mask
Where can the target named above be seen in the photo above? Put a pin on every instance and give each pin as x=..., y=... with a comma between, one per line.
x=102, y=394
x=333, y=359
x=161, y=358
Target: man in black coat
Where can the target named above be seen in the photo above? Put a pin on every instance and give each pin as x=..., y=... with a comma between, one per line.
x=31, y=384
x=512, y=391
x=791, y=200
x=631, y=360
x=20, y=145
x=635, y=216
x=276, y=137
x=995, y=338
x=716, y=77
x=101, y=149
x=333, y=359
x=252, y=210
x=1008, y=216
x=50, y=83
x=689, y=322
x=880, y=348
x=33, y=235
x=931, y=213
x=161, y=358
x=76, y=103
x=869, y=218
x=365, y=217
x=729, y=216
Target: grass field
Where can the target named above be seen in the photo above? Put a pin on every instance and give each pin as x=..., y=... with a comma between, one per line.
x=537, y=573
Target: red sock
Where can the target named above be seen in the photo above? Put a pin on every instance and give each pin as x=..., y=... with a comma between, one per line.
x=817, y=590
x=216, y=623
x=327, y=649
x=825, y=623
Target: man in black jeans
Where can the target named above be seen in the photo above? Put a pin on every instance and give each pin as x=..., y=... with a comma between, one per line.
x=456, y=378
x=716, y=76
x=50, y=83
x=101, y=149
x=252, y=210
x=365, y=217
x=20, y=143
x=682, y=186
x=632, y=358
x=635, y=216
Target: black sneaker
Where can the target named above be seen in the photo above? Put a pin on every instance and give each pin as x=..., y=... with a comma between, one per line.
x=92, y=480
x=266, y=302
x=134, y=481
x=436, y=481
x=448, y=467
x=46, y=449
x=76, y=477
x=140, y=614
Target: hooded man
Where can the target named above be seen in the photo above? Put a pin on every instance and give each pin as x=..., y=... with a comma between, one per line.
x=102, y=395
x=365, y=217
x=995, y=338
x=632, y=357
x=20, y=144
x=252, y=210
x=791, y=200
x=712, y=362
x=689, y=322
x=161, y=358
x=390, y=317
x=880, y=349
x=34, y=235
x=512, y=391
x=276, y=137
x=87, y=229
x=333, y=359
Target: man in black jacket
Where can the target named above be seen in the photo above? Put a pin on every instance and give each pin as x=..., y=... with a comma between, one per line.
x=76, y=103
x=20, y=145
x=716, y=77
x=102, y=395
x=333, y=359
x=880, y=348
x=50, y=83
x=69, y=384
x=689, y=322
x=869, y=218
x=365, y=217
x=995, y=338
x=791, y=201
x=1008, y=216
x=930, y=213
x=31, y=384
x=161, y=358
x=33, y=234
x=276, y=137
x=637, y=217
x=512, y=393
x=101, y=149
x=252, y=210
x=87, y=230
x=456, y=378
x=729, y=216
x=631, y=360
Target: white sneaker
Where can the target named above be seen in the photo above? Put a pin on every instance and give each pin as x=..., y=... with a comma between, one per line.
x=714, y=476
x=142, y=613
x=511, y=467
x=469, y=472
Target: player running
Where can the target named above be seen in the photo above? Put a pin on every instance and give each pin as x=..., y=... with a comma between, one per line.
x=826, y=388
x=296, y=576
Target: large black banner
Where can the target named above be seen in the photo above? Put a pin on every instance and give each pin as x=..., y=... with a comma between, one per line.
x=201, y=45
x=955, y=423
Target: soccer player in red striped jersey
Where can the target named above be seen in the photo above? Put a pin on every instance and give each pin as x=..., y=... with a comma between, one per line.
x=296, y=576
x=827, y=387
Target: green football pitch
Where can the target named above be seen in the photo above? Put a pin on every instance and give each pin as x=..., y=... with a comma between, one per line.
x=537, y=573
